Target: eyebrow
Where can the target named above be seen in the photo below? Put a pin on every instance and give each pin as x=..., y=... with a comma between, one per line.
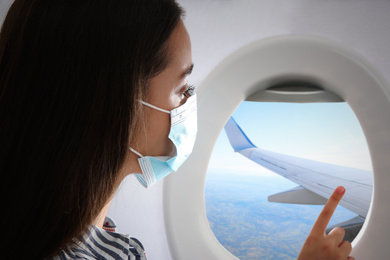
x=188, y=71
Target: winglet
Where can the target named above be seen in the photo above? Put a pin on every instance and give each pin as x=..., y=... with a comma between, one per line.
x=237, y=138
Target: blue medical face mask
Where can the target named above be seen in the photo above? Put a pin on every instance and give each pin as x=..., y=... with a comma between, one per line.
x=183, y=134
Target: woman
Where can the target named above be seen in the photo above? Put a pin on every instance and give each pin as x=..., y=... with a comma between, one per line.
x=81, y=82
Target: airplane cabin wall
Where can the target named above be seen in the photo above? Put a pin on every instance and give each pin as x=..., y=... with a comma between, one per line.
x=220, y=27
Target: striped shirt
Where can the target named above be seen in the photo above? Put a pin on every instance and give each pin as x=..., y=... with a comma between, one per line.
x=104, y=245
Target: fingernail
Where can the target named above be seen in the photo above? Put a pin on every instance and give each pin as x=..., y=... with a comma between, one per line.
x=340, y=190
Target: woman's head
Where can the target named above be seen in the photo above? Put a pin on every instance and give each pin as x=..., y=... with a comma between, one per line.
x=167, y=90
x=71, y=73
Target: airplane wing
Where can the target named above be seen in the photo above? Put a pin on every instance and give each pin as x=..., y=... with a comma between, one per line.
x=316, y=180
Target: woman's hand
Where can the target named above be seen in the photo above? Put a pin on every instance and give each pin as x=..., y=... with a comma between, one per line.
x=318, y=245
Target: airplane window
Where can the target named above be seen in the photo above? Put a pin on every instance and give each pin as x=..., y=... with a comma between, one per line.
x=237, y=188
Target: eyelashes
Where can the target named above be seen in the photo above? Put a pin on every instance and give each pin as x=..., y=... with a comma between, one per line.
x=189, y=91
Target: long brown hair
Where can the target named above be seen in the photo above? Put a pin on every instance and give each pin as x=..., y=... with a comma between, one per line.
x=70, y=74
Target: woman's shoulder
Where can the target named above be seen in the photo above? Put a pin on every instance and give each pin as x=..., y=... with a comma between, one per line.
x=98, y=243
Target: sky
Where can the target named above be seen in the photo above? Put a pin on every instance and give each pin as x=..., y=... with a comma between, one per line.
x=327, y=132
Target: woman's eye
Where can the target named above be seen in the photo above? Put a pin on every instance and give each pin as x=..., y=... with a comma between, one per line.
x=189, y=91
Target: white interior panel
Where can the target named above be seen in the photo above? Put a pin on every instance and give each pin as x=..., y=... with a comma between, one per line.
x=334, y=67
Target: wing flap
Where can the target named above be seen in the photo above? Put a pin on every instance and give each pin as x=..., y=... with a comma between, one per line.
x=298, y=195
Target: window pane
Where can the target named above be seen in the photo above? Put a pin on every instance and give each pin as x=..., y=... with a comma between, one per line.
x=237, y=189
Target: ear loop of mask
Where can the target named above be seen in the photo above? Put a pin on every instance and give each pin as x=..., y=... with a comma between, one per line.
x=152, y=106
x=137, y=153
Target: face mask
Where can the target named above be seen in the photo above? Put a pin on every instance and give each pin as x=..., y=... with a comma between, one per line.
x=182, y=134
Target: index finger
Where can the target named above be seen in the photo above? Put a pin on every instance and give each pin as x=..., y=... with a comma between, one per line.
x=327, y=212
